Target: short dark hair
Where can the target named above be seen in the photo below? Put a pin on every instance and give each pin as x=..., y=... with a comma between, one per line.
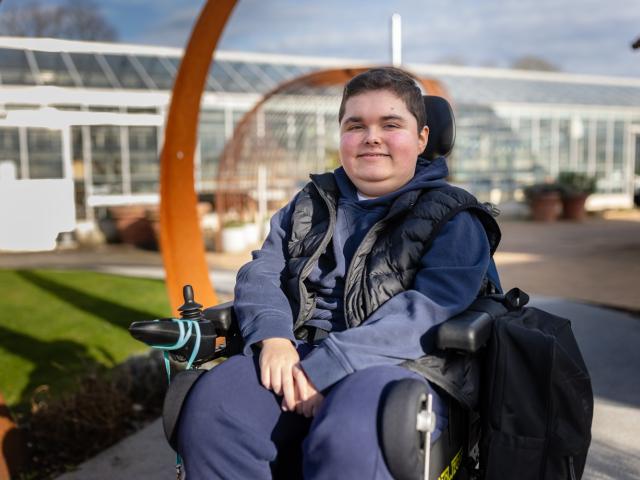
x=392, y=79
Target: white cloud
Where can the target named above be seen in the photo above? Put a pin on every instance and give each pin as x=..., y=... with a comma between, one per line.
x=578, y=35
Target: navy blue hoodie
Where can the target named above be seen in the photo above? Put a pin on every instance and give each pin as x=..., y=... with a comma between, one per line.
x=450, y=278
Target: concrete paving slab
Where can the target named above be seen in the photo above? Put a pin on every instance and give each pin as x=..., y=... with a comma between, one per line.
x=143, y=455
x=609, y=341
x=595, y=261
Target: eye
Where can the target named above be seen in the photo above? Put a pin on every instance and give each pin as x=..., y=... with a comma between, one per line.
x=353, y=126
x=391, y=125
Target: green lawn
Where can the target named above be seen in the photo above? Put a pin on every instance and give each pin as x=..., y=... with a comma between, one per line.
x=55, y=325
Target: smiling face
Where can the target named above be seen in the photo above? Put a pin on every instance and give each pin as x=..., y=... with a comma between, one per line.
x=379, y=142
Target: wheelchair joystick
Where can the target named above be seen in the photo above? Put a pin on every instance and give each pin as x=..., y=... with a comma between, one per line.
x=165, y=332
x=190, y=309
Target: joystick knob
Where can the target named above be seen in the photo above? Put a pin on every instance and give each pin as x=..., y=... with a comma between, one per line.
x=190, y=309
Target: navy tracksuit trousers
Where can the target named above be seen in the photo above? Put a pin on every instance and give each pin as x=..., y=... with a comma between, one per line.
x=233, y=428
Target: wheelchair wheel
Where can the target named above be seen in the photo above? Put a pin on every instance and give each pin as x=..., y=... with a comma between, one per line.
x=402, y=443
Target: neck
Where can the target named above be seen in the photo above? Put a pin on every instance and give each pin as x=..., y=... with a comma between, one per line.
x=362, y=196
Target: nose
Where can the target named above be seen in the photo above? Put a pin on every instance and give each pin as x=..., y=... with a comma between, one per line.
x=372, y=137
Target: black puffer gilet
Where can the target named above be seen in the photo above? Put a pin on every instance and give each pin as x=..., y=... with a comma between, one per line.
x=387, y=260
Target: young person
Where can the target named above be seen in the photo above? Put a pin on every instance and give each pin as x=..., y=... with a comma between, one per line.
x=342, y=292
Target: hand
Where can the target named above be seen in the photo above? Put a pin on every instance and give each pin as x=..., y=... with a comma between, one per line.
x=309, y=397
x=277, y=359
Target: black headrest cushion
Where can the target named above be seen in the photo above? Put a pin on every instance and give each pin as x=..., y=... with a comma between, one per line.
x=442, y=127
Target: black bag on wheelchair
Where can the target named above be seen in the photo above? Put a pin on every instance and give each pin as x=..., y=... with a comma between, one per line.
x=522, y=373
x=536, y=402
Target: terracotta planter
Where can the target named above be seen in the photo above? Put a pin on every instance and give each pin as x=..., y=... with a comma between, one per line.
x=133, y=226
x=152, y=215
x=573, y=207
x=546, y=207
x=13, y=455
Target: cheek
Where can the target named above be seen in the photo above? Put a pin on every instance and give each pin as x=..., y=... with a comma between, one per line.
x=404, y=142
x=348, y=143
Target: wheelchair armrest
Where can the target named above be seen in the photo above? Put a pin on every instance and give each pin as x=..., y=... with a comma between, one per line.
x=222, y=317
x=466, y=332
x=470, y=330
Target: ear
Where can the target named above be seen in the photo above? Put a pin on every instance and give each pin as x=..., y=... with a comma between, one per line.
x=423, y=138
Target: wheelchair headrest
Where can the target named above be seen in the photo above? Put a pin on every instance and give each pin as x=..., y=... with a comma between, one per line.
x=442, y=127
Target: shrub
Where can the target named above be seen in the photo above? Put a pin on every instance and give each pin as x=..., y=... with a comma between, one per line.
x=104, y=407
x=576, y=183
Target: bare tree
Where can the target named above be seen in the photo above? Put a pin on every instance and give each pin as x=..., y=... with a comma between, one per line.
x=73, y=19
x=531, y=62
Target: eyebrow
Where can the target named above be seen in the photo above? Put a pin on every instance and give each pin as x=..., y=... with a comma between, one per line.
x=385, y=118
x=393, y=117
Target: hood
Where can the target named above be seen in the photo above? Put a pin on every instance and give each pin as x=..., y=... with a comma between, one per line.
x=428, y=175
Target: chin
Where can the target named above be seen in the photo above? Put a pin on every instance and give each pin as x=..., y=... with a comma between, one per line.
x=380, y=186
x=371, y=183
x=375, y=176
x=376, y=190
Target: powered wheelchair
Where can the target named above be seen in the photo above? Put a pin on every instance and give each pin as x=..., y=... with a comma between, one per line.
x=405, y=418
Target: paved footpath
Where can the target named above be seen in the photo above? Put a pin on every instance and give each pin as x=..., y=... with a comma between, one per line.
x=597, y=261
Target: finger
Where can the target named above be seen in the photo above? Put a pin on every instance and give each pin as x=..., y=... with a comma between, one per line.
x=298, y=399
x=265, y=376
x=307, y=406
x=288, y=390
x=310, y=407
x=304, y=390
x=276, y=381
x=301, y=383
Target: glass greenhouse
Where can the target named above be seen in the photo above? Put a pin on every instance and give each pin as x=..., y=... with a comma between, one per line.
x=94, y=113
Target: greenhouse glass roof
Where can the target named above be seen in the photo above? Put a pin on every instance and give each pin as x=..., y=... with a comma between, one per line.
x=474, y=89
x=134, y=71
x=34, y=62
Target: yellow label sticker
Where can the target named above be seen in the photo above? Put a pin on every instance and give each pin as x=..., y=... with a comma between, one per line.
x=450, y=471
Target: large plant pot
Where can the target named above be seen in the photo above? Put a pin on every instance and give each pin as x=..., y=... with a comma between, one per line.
x=252, y=233
x=13, y=456
x=234, y=239
x=573, y=207
x=546, y=207
x=133, y=226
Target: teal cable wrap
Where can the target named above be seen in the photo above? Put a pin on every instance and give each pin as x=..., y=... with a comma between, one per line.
x=183, y=338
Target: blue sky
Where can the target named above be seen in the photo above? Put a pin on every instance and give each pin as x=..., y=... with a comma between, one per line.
x=581, y=36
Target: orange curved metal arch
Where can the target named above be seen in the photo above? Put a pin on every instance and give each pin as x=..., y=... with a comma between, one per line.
x=181, y=242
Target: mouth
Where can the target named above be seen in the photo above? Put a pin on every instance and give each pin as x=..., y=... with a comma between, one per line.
x=372, y=155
